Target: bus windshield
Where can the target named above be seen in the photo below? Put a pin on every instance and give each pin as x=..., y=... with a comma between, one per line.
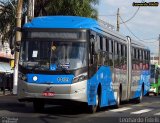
x=53, y=55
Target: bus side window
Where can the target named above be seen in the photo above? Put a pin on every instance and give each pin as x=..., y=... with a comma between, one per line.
x=138, y=58
x=106, y=53
x=107, y=45
x=104, y=44
x=125, y=51
x=98, y=43
x=110, y=52
x=132, y=53
x=115, y=48
x=135, y=54
x=119, y=50
x=101, y=42
x=148, y=59
x=122, y=51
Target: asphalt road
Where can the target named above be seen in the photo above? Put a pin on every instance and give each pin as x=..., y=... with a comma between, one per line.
x=12, y=111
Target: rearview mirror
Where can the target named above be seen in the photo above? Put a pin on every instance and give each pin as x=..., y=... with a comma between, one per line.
x=94, y=44
x=13, y=44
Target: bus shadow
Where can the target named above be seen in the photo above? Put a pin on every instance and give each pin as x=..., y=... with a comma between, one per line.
x=65, y=111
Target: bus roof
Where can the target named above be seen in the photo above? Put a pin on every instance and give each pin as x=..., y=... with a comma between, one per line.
x=61, y=22
x=76, y=22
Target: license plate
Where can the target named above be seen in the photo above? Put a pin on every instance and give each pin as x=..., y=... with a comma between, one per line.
x=48, y=94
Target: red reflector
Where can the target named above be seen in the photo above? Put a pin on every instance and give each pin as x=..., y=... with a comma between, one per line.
x=48, y=94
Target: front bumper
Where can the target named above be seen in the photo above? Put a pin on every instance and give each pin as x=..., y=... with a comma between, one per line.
x=73, y=92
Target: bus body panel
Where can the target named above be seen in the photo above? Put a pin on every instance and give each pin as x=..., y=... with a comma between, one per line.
x=73, y=92
x=49, y=79
x=102, y=78
x=143, y=80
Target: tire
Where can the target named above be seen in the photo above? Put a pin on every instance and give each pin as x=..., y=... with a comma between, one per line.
x=94, y=108
x=118, y=100
x=139, y=99
x=38, y=106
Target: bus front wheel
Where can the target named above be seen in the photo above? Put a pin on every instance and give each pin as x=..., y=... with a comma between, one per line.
x=118, y=100
x=139, y=99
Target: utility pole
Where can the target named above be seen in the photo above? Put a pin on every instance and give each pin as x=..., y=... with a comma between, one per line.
x=118, y=20
x=159, y=51
x=18, y=38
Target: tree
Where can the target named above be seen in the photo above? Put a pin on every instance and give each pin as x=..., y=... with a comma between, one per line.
x=42, y=8
x=7, y=19
x=66, y=7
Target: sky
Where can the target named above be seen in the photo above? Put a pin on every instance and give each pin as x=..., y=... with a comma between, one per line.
x=145, y=25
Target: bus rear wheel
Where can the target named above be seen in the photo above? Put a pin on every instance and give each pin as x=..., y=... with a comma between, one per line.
x=118, y=100
x=38, y=106
x=139, y=99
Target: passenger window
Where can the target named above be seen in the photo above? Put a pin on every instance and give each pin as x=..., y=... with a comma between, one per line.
x=125, y=51
x=115, y=47
x=135, y=54
x=110, y=46
x=101, y=43
x=122, y=50
x=140, y=57
x=98, y=42
x=107, y=45
x=119, y=50
x=104, y=44
x=138, y=54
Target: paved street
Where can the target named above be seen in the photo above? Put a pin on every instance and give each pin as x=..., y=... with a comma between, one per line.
x=147, y=111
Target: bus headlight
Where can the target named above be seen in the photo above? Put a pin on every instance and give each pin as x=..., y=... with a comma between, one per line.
x=35, y=78
x=80, y=77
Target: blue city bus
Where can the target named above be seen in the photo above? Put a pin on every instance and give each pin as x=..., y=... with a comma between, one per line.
x=66, y=59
